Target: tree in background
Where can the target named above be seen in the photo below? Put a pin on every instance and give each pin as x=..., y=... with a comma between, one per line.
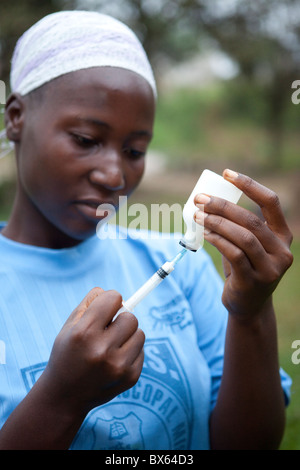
x=15, y=18
x=261, y=36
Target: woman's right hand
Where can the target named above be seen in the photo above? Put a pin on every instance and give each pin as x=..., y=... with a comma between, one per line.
x=95, y=358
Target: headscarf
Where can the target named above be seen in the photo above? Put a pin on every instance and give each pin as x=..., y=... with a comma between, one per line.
x=67, y=41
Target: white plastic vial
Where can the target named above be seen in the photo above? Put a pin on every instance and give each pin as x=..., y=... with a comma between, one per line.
x=213, y=185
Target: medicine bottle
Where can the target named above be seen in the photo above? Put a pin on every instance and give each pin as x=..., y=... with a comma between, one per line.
x=213, y=185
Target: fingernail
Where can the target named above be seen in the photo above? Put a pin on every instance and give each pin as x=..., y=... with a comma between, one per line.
x=232, y=175
x=202, y=199
x=199, y=217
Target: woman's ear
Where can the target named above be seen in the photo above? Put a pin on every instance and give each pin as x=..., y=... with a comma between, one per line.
x=14, y=117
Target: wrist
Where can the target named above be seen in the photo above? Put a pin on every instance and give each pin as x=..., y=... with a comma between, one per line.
x=62, y=401
x=256, y=318
x=42, y=421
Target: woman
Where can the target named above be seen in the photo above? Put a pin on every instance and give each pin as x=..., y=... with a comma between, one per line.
x=81, y=118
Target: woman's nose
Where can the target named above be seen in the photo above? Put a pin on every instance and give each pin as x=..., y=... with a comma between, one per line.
x=109, y=173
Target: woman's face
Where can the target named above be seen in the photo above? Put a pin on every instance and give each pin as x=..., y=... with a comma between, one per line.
x=82, y=146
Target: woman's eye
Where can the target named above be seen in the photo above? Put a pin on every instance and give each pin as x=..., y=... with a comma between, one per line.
x=134, y=154
x=84, y=141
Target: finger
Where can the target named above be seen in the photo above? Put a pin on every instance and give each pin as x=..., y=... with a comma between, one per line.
x=137, y=365
x=242, y=242
x=257, y=244
x=226, y=266
x=234, y=259
x=122, y=328
x=241, y=217
x=135, y=369
x=133, y=347
x=102, y=310
x=266, y=198
x=79, y=311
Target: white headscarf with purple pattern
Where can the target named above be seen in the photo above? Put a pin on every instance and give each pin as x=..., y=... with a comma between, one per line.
x=67, y=41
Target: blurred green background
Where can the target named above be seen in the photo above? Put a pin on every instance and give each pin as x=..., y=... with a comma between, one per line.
x=225, y=72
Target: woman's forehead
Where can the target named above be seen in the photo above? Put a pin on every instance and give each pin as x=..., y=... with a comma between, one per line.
x=97, y=84
x=100, y=93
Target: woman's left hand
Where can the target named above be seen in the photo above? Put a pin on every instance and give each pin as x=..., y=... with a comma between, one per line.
x=256, y=253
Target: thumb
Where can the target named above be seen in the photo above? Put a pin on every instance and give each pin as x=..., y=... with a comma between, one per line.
x=79, y=311
x=226, y=266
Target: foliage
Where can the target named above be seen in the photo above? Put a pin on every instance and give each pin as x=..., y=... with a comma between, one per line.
x=262, y=37
x=7, y=193
x=225, y=123
x=15, y=18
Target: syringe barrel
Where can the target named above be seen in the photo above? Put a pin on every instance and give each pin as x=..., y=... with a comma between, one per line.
x=153, y=281
x=142, y=292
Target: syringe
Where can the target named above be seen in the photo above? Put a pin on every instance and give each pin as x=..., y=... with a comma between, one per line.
x=153, y=281
x=208, y=183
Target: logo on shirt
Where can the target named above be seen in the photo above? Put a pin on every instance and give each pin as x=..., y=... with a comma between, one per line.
x=31, y=374
x=174, y=314
x=154, y=414
x=119, y=432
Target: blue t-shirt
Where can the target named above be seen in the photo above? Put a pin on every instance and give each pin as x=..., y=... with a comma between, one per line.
x=183, y=319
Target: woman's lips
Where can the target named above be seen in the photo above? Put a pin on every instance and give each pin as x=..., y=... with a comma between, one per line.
x=89, y=208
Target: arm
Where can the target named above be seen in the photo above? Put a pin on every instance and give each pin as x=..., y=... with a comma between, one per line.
x=250, y=408
x=93, y=360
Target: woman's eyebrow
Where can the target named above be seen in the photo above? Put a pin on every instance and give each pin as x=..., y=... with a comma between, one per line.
x=95, y=122
x=142, y=134
x=99, y=123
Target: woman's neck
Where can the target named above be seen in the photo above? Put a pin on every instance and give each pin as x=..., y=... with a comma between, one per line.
x=28, y=225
